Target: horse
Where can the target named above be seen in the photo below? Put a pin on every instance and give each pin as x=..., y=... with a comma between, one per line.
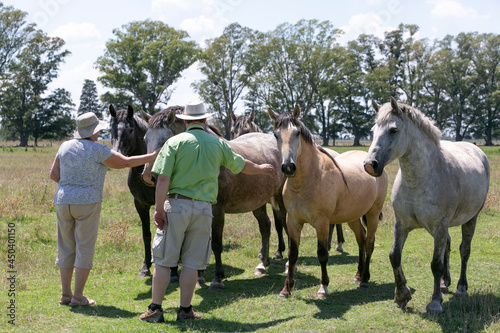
x=237, y=193
x=321, y=190
x=245, y=124
x=440, y=184
x=127, y=138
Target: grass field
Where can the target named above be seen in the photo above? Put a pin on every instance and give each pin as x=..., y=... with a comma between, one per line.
x=248, y=303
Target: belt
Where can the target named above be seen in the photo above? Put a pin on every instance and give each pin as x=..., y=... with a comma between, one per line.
x=178, y=196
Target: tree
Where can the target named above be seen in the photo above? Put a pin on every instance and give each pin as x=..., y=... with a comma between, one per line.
x=144, y=60
x=53, y=119
x=14, y=33
x=228, y=63
x=89, y=101
x=27, y=78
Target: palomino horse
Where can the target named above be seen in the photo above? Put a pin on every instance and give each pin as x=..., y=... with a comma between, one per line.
x=237, y=193
x=321, y=190
x=127, y=138
x=440, y=184
x=243, y=125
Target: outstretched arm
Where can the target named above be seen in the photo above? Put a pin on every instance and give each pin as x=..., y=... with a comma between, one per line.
x=252, y=168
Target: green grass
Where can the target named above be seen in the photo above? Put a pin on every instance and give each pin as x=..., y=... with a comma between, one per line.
x=248, y=303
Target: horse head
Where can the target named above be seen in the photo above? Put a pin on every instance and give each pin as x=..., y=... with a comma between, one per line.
x=243, y=125
x=127, y=131
x=287, y=130
x=389, y=137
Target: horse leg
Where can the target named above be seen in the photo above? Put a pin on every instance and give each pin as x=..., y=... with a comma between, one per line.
x=279, y=222
x=372, y=219
x=294, y=230
x=340, y=238
x=360, y=234
x=323, y=234
x=468, y=230
x=446, y=279
x=402, y=294
x=217, y=229
x=279, y=213
x=437, y=266
x=265, y=232
x=143, y=211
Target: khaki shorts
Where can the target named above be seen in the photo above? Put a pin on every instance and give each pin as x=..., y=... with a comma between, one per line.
x=77, y=234
x=187, y=235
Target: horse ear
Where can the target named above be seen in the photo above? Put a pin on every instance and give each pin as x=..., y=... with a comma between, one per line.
x=112, y=110
x=252, y=115
x=171, y=117
x=296, y=112
x=394, y=105
x=144, y=115
x=375, y=105
x=272, y=114
x=233, y=116
x=130, y=112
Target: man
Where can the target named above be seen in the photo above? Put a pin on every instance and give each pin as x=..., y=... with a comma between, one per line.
x=188, y=168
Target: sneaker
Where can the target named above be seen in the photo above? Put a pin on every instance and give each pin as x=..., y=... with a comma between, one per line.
x=183, y=316
x=152, y=316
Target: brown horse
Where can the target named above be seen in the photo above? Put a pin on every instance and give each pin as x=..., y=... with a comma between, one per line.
x=237, y=193
x=245, y=124
x=321, y=190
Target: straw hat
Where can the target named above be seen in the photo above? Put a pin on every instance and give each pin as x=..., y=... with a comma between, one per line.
x=87, y=125
x=194, y=111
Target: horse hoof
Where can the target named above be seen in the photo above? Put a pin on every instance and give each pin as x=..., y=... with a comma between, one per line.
x=201, y=281
x=283, y=295
x=402, y=298
x=278, y=256
x=216, y=285
x=364, y=286
x=434, y=308
x=323, y=292
x=260, y=270
x=461, y=292
x=339, y=249
x=144, y=273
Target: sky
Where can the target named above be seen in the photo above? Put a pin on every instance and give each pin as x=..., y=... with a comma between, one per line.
x=87, y=25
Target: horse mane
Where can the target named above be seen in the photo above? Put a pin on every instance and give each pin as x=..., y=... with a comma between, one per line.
x=214, y=129
x=420, y=120
x=159, y=119
x=286, y=120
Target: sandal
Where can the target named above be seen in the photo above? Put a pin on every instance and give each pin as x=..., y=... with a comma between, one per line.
x=65, y=299
x=83, y=302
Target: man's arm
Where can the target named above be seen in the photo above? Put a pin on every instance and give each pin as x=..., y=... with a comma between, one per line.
x=160, y=216
x=252, y=168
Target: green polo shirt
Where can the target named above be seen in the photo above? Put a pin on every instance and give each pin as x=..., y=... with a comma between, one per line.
x=192, y=160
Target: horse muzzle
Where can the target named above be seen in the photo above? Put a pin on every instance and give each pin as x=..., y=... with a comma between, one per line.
x=372, y=167
x=289, y=169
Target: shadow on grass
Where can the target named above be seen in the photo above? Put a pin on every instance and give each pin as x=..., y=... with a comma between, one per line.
x=340, y=302
x=219, y=325
x=106, y=311
x=468, y=314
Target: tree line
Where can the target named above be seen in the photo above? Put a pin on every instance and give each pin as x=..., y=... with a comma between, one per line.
x=455, y=80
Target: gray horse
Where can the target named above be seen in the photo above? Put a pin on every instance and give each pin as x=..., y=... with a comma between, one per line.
x=440, y=184
x=237, y=193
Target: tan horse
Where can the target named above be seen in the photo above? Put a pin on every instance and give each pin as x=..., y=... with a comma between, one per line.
x=440, y=184
x=320, y=190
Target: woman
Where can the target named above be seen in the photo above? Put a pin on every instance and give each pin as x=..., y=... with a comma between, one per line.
x=79, y=168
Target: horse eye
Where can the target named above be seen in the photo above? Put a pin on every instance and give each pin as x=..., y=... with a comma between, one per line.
x=393, y=130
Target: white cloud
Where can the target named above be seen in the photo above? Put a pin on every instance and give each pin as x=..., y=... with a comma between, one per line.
x=72, y=79
x=370, y=23
x=165, y=5
x=443, y=8
x=77, y=32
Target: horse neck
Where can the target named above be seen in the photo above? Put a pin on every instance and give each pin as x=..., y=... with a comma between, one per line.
x=308, y=164
x=421, y=157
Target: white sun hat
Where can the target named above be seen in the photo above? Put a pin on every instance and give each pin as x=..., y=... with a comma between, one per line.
x=194, y=111
x=87, y=125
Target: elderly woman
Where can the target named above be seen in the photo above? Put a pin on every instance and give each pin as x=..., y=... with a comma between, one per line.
x=79, y=168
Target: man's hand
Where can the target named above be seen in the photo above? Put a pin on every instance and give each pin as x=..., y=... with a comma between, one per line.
x=160, y=218
x=267, y=169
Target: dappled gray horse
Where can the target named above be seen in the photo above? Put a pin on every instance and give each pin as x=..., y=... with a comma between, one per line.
x=237, y=193
x=440, y=184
